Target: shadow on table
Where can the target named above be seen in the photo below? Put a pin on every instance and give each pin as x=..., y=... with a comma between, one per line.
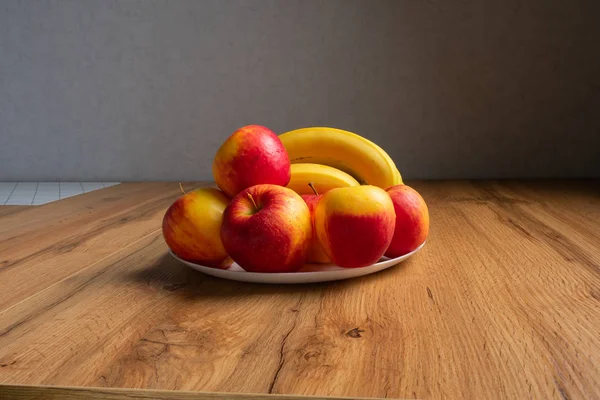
x=173, y=276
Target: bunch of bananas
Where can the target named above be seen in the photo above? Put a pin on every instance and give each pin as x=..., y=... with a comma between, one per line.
x=331, y=158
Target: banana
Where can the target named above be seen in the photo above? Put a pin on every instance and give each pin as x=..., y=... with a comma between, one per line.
x=322, y=176
x=385, y=154
x=346, y=151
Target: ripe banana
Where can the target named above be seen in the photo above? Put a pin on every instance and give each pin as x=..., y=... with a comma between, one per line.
x=322, y=176
x=346, y=151
x=396, y=171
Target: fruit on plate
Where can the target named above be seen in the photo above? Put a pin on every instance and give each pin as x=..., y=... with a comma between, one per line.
x=347, y=151
x=267, y=228
x=412, y=220
x=323, y=178
x=355, y=225
x=316, y=254
x=192, y=224
x=252, y=155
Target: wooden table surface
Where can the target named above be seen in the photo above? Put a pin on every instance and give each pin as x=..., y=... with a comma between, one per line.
x=502, y=302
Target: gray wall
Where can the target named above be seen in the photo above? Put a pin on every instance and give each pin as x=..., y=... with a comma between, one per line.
x=147, y=90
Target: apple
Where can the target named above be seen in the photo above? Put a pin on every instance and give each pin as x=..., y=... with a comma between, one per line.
x=316, y=254
x=355, y=225
x=267, y=228
x=192, y=224
x=252, y=155
x=412, y=220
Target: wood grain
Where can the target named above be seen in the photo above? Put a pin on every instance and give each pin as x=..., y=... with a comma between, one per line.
x=503, y=302
x=45, y=244
x=19, y=392
x=6, y=210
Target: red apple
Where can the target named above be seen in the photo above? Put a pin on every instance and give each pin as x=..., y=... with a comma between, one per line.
x=192, y=224
x=252, y=155
x=355, y=225
x=267, y=228
x=316, y=254
x=412, y=220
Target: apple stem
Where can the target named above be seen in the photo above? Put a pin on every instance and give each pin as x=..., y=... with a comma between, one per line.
x=181, y=187
x=312, y=186
x=252, y=200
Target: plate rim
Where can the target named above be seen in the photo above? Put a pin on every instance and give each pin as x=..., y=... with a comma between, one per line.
x=283, y=275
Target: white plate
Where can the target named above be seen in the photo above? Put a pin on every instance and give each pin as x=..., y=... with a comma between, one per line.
x=308, y=274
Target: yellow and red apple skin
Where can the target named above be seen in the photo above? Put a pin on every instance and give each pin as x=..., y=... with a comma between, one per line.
x=412, y=220
x=252, y=155
x=355, y=225
x=191, y=227
x=316, y=254
x=273, y=238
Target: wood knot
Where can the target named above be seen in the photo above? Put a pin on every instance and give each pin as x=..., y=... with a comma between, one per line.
x=429, y=293
x=354, y=333
x=7, y=364
x=311, y=354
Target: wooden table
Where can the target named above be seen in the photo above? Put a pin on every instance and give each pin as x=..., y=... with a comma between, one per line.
x=503, y=302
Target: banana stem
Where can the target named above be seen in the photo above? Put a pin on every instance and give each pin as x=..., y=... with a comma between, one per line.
x=312, y=186
x=253, y=202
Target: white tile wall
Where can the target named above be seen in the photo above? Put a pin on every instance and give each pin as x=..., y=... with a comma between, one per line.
x=6, y=189
x=37, y=193
x=89, y=186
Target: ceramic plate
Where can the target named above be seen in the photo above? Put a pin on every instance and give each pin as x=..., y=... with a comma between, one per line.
x=308, y=274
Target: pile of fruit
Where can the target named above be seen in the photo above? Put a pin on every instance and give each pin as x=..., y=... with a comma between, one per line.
x=313, y=195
